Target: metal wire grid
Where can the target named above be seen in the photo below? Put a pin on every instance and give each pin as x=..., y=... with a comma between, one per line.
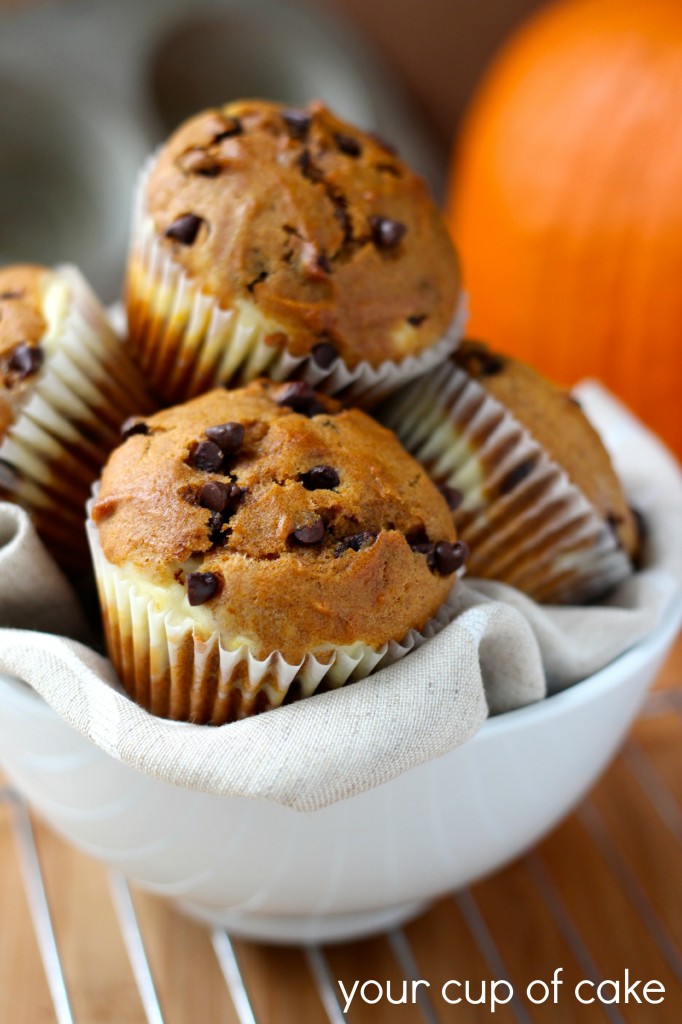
x=648, y=778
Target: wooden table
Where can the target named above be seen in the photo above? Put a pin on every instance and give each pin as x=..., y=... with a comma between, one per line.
x=603, y=892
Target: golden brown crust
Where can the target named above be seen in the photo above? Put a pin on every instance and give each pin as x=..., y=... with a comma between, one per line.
x=559, y=425
x=21, y=325
x=274, y=590
x=286, y=223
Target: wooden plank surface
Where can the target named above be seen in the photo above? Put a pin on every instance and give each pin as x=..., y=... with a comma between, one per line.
x=602, y=893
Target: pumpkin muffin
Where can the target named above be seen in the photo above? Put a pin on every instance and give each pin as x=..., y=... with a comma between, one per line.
x=532, y=488
x=287, y=242
x=253, y=545
x=66, y=384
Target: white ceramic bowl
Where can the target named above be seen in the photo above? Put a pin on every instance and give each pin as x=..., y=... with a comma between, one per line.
x=270, y=873
x=267, y=872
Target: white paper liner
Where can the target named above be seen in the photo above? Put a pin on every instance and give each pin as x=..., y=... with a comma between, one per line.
x=543, y=536
x=69, y=423
x=174, y=672
x=188, y=344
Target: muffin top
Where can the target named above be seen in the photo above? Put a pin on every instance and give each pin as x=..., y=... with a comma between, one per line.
x=274, y=516
x=319, y=226
x=22, y=328
x=556, y=421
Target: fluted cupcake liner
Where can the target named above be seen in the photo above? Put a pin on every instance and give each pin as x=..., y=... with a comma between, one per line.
x=524, y=521
x=187, y=344
x=172, y=667
x=69, y=423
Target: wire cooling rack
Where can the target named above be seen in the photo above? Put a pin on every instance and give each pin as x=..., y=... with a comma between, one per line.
x=604, y=892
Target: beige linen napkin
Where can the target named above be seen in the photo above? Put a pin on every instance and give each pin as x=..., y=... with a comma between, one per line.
x=34, y=594
x=495, y=656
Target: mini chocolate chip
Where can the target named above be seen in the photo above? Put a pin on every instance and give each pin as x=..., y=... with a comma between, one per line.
x=235, y=493
x=301, y=398
x=213, y=495
x=207, y=456
x=185, y=229
x=133, y=425
x=452, y=495
x=297, y=122
x=223, y=503
x=448, y=558
x=386, y=233
x=216, y=522
x=25, y=360
x=418, y=539
x=325, y=354
x=324, y=264
x=354, y=542
x=311, y=534
x=490, y=364
x=257, y=280
x=308, y=168
x=347, y=144
x=201, y=587
x=208, y=170
x=417, y=319
x=320, y=478
x=234, y=127
x=228, y=436
x=517, y=475
x=479, y=361
x=343, y=217
x=11, y=295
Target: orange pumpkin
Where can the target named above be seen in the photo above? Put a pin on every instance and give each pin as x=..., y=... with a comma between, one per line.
x=566, y=200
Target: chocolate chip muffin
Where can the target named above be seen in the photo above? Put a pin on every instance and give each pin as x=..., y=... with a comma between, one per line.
x=66, y=384
x=256, y=544
x=532, y=488
x=287, y=242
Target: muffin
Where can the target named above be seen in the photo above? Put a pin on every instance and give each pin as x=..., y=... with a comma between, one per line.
x=532, y=488
x=286, y=242
x=66, y=384
x=255, y=545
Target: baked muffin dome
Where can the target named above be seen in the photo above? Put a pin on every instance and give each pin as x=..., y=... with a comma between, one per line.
x=66, y=384
x=272, y=517
x=533, y=491
x=321, y=239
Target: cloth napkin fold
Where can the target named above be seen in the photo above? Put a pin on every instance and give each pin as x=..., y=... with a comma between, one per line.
x=501, y=651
